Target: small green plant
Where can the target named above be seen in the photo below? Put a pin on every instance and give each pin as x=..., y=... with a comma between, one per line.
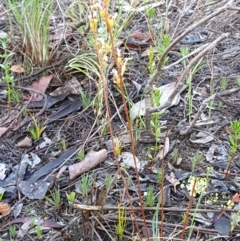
x=155, y=101
x=175, y=155
x=150, y=12
x=196, y=158
x=108, y=181
x=8, y=78
x=71, y=197
x=159, y=176
x=32, y=223
x=85, y=184
x=235, y=220
x=85, y=64
x=220, y=105
x=85, y=98
x=184, y=52
x=121, y=222
x=64, y=144
x=128, y=181
x=151, y=60
x=38, y=231
x=149, y=197
x=223, y=84
x=125, y=167
x=162, y=44
x=81, y=155
x=234, y=138
x=37, y=130
x=238, y=81
x=55, y=199
x=184, y=217
x=33, y=22
x=117, y=146
x=2, y=194
x=12, y=231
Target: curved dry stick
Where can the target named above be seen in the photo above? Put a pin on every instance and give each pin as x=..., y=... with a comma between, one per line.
x=151, y=80
x=158, y=72
x=181, y=79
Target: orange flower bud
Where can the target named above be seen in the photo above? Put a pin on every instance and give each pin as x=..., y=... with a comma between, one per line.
x=110, y=22
x=102, y=14
x=93, y=24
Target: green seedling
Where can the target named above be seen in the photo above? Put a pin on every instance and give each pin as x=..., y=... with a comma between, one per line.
x=8, y=78
x=12, y=231
x=2, y=194
x=238, y=81
x=64, y=144
x=55, y=199
x=184, y=217
x=108, y=181
x=85, y=64
x=39, y=232
x=220, y=105
x=235, y=220
x=81, y=155
x=85, y=185
x=223, y=84
x=32, y=223
x=117, y=146
x=159, y=176
x=162, y=44
x=197, y=157
x=155, y=101
x=150, y=12
x=128, y=181
x=85, y=98
x=184, y=52
x=37, y=131
x=125, y=167
x=71, y=197
x=149, y=197
x=175, y=155
x=234, y=137
x=32, y=19
x=121, y=222
x=151, y=60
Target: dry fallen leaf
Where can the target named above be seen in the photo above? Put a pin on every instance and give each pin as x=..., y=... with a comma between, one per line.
x=40, y=85
x=137, y=34
x=17, y=69
x=91, y=160
x=235, y=198
x=4, y=209
x=70, y=87
x=139, y=108
x=3, y=130
x=26, y=142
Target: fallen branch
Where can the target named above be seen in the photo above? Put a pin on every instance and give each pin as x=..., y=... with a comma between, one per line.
x=152, y=79
x=91, y=160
